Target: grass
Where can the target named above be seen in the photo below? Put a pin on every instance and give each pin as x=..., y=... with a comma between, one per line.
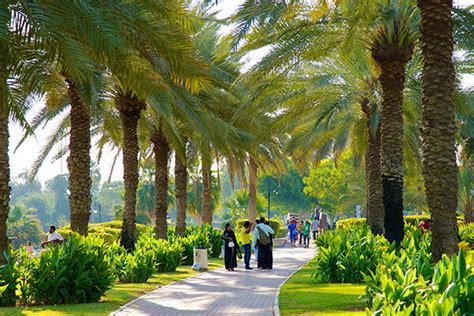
x=301, y=295
x=117, y=296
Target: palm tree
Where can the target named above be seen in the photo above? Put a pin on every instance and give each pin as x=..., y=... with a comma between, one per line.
x=181, y=192
x=440, y=169
x=161, y=149
x=253, y=184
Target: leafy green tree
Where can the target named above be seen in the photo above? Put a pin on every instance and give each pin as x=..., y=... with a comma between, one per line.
x=238, y=205
x=59, y=186
x=25, y=225
x=338, y=186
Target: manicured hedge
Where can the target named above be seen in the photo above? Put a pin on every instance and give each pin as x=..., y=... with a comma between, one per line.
x=275, y=224
x=108, y=231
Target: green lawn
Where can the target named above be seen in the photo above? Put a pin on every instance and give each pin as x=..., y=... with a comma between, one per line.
x=117, y=296
x=301, y=295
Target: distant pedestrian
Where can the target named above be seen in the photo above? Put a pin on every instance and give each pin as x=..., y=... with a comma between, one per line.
x=306, y=233
x=315, y=227
x=230, y=248
x=246, y=237
x=270, y=257
x=323, y=222
x=300, y=231
x=292, y=233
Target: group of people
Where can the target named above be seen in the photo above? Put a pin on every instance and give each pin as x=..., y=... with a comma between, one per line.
x=260, y=236
x=302, y=231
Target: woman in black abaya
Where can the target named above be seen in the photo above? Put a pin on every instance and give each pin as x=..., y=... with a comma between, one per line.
x=230, y=248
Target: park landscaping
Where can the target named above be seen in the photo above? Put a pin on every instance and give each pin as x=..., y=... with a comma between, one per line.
x=356, y=109
x=355, y=271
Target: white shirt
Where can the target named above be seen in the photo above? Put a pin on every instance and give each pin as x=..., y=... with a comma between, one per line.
x=315, y=225
x=54, y=236
x=266, y=230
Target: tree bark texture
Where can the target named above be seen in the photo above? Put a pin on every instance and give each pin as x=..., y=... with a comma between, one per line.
x=373, y=173
x=206, y=211
x=161, y=150
x=79, y=161
x=4, y=173
x=130, y=108
x=392, y=61
x=181, y=193
x=253, y=182
x=440, y=170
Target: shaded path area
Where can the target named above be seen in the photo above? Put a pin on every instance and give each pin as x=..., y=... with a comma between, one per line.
x=219, y=292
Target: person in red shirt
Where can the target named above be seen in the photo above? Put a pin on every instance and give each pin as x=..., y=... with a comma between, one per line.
x=425, y=224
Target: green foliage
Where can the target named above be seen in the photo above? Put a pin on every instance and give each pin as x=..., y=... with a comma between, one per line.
x=9, y=273
x=337, y=187
x=290, y=190
x=345, y=255
x=449, y=290
x=108, y=231
x=351, y=222
x=238, y=204
x=134, y=267
x=76, y=272
x=275, y=224
x=22, y=223
x=166, y=255
x=466, y=232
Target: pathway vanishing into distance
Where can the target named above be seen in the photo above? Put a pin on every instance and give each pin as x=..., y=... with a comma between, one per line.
x=219, y=292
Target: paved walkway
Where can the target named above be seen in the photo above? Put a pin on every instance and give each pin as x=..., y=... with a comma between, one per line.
x=219, y=292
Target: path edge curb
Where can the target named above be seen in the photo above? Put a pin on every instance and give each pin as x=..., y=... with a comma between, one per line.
x=276, y=306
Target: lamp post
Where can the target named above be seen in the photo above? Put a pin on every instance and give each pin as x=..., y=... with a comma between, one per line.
x=271, y=187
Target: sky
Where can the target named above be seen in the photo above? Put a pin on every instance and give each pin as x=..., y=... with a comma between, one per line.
x=22, y=159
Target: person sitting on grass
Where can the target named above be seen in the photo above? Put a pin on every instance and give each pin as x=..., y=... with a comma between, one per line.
x=53, y=237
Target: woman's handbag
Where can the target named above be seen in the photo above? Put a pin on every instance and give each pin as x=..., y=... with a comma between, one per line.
x=231, y=244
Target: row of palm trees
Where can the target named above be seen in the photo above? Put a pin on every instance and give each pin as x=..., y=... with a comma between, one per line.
x=152, y=79
x=330, y=63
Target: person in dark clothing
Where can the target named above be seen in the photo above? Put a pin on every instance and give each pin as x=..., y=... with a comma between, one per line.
x=262, y=239
x=270, y=255
x=230, y=248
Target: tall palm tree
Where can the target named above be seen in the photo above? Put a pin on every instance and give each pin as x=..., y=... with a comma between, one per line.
x=392, y=48
x=181, y=191
x=161, y=149
x=440, y=169
x=130, y=108
x=253, y=184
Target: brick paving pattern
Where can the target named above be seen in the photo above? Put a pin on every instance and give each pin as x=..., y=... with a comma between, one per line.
x=219, y=292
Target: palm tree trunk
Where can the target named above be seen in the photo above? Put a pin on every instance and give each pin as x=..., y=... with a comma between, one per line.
x=181, y=193
x=440, y=170
x=206, y=211
x=373, y=174
x=4, y=174
x=161, y=150
x=253, y=170
x=130, y=108
x=79, y=161
x=392, y=61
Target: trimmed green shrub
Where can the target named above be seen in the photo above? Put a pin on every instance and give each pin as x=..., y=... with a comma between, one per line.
x=275, y=224
x=166, y=255
x=75, y=272
x=350, y=222
x=108, y=231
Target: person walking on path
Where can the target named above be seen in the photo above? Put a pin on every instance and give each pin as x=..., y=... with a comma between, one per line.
x=299, y=227
x=261, y=238
x=230, y=248
x=292, y=233
x=306, y=233
x=315, y=227
x=246, y=237
x=323, y=222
